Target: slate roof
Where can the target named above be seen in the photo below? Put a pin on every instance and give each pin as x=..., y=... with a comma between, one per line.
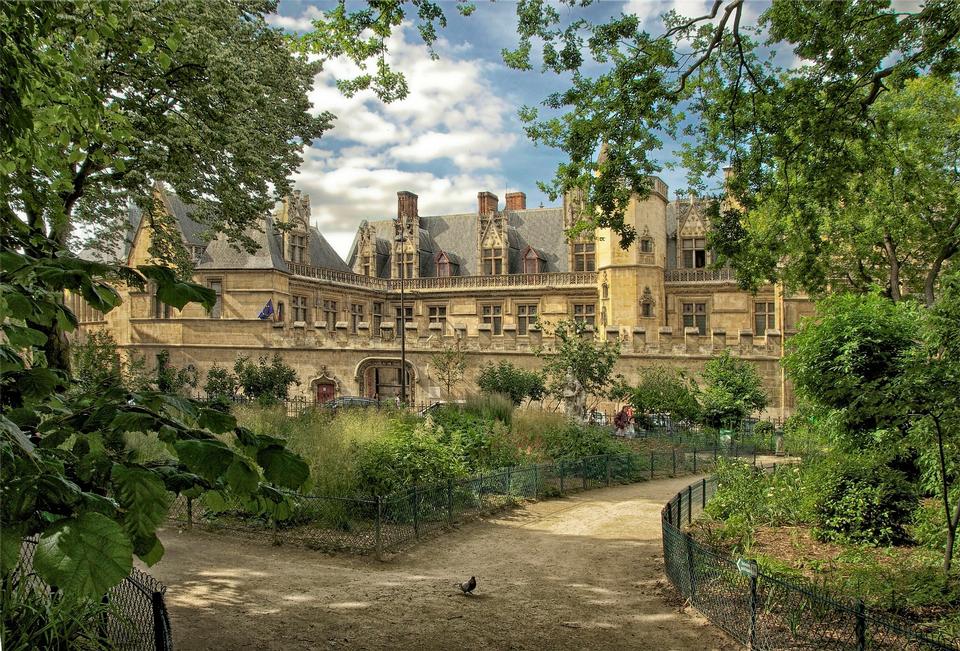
x=456, y=235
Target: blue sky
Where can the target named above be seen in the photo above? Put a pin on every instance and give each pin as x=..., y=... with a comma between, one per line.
x=456, y=134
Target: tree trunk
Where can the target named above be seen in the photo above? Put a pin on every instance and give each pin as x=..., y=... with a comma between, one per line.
x=891, y=251
x=931, y=280
x=952, y=519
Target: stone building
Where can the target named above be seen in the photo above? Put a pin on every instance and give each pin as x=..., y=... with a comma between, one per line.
x=478, y=280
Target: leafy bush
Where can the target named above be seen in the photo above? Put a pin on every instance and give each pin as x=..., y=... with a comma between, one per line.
x=481, y=443
x=171, y=379
x=665, y=390
x=928, y=527
x=221, y=385
x=512, y=381
x=763, y=429
x=265, y=381
x=532, y=426
x=410, y=454
x=733, y=390
x=573, y=441
x=861, y=500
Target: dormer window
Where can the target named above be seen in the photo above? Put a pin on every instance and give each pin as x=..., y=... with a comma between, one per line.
x=297, y=248
x=492, y=261
x=196, y=252
x=694, y=252
x=532, y=262
x=443, y=265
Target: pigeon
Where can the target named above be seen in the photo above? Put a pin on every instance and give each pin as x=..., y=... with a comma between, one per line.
x=469, y=586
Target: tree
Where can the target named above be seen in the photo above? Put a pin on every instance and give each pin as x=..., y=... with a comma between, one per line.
x=449, y=365
x=893, y=224
x=171, y=379
x=849, y=359
x=931, y=386
x=791, y=134
x=221, y=385
x=265, y=381
x=101, y=101
x=67, y=474
x=591, y=360
x=97, y=363
x=512, y=381
x=732, y=390
x=664, y=390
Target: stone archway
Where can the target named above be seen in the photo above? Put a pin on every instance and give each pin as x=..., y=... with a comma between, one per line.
x=379, y=378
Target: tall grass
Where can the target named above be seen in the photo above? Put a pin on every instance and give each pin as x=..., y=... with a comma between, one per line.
x=327, y=441
x=490, y=406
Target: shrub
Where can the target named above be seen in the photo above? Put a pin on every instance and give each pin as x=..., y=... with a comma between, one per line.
x=512, y=381
x=265, y=381
x=664, y=390
x=573, y=441
x=733, y=390
x=481, y=442
x=532, y=426
x=763, y=429
x=408, y=455
x=863, y=501
x=221, y=385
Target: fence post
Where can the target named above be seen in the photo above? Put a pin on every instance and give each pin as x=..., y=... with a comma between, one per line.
x=509, y=479
x=703, y=494
x=751, y=640
x=160, y=641
x=416, y=511
x=276, y=530
x=651, y=465
x=694, y=459
x=674, y=453
x=861, y=626
x=691, y=574
x=607, y=461
x=377, y=530
x=560, y=464
x=450, y=502
x=536, y=481
x=715, y=454
x=583, y=472
x=189, y=513
x=689, y=503
x=754, y=455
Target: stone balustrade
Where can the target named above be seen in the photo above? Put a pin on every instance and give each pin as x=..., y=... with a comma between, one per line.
x=245, y=334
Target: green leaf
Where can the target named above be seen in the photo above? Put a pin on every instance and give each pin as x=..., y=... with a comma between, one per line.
x=155, y=552
x=176, y=292
x=145, y=502
x=208, y=458
x=14, y=433
x=22, y=337
x=241, y=477
x=283, y=467
x=135, y=421
x=10, y=541
x=216, y=421
x=38, y=382
x=164, y=60
x=84, y=556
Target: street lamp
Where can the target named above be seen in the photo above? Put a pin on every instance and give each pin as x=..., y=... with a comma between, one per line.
x=401, y=240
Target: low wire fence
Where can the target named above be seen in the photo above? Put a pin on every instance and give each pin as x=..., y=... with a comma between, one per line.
x=135, y=614
x=764, y=611
x=382, y=524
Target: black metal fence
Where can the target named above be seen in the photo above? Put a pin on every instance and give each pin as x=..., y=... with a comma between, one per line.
x=762, y=610
x=386, y=523
x=136, y=615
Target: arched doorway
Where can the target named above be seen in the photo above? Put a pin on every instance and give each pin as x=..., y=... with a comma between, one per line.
x=379, y=378
x=325, y=386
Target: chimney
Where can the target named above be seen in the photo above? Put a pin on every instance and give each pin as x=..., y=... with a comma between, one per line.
x=487, y=203
x=516, y=201
x=407, y=204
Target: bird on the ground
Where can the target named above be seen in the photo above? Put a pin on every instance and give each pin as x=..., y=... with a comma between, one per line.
x=468, y=586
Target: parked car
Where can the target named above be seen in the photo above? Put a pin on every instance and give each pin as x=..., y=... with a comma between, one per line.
x=344, y=402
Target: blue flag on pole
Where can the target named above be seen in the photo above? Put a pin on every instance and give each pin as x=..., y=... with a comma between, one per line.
x=267, y=310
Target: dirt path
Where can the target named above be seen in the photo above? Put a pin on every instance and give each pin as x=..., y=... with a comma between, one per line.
x=583, y=572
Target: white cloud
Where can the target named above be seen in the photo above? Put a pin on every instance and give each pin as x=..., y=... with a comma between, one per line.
x=444, y=142
x=301, y=23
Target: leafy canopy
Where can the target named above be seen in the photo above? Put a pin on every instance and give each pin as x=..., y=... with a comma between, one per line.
x=732, y=390
x=512, y=381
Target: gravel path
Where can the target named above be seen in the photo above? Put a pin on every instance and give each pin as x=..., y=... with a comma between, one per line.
x=583, y=572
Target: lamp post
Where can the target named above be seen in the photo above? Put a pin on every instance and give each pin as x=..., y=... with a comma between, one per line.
x=401, y=240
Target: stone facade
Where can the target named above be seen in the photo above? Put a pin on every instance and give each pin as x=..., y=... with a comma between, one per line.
x=477, y=280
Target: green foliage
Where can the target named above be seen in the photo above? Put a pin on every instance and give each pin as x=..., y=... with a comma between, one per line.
x=449, y=366
x=516, y=383
x=410, y=454
x=33, y=619
x=591, y=360
x=491, y=407
x=849, y=358
x=480, y=439
x=221, y=385
x=862, y=500
x=67, y=472
x=171, y=379
x=265, y=381
x=733, y=390
x=664, y=390
x=572, y=441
